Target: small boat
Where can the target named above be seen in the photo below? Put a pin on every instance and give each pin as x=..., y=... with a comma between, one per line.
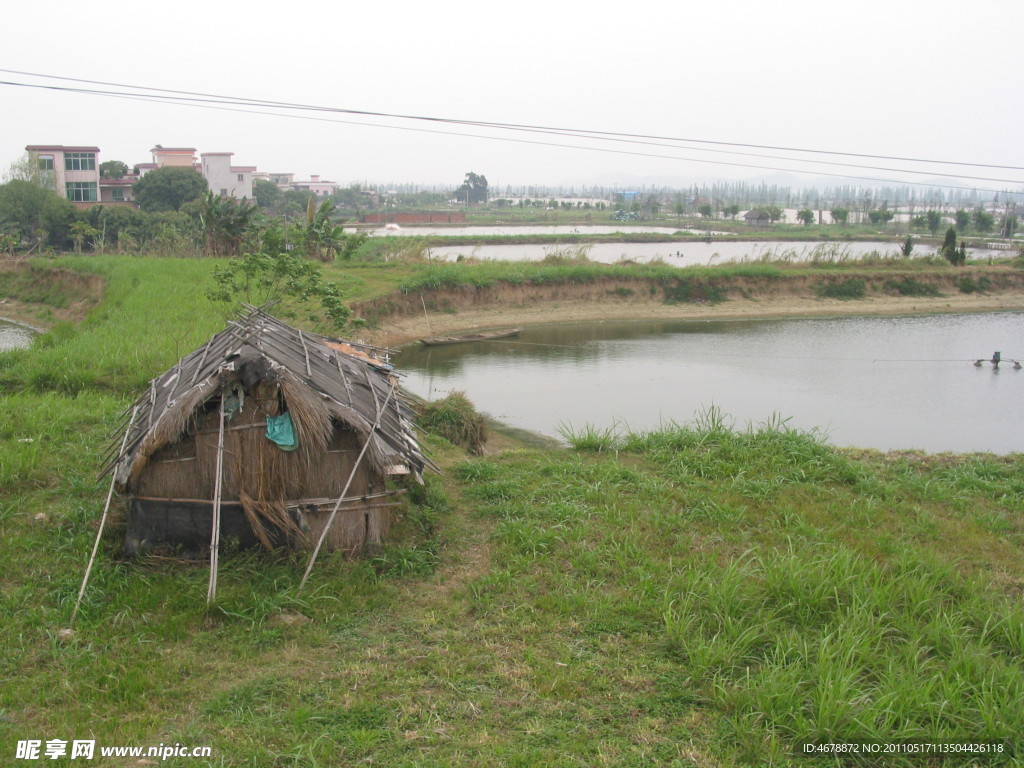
x=504, y=333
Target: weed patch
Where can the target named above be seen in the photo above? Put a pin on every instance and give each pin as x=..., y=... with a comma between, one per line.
x=851, y=288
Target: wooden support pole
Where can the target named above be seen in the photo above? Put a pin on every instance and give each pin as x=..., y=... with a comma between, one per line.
x=211, y=590
x=103, y=521
x=341, y=496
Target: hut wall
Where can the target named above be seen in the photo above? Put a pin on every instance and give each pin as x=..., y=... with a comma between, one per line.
x=268, y=480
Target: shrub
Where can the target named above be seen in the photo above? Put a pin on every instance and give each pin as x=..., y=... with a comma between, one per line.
x=456, y=420
x=908, y=286
x=970, y=285
x=691, y=291
x=851, y=288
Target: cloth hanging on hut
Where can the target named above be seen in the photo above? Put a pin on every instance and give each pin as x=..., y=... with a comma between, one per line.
x=281, y=431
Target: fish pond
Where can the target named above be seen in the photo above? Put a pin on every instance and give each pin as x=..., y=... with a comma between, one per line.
x=891, y=383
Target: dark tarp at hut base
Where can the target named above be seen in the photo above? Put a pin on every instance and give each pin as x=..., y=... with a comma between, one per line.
x=304, y=417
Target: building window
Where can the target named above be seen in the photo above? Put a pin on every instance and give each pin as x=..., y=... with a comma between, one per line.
x=46, y=162
x=81, y=191
x=80, y=161
x=241, y=177
x=117, y=195
x=223, y=193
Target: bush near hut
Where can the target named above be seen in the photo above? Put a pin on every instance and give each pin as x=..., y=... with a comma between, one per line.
x=456, y=420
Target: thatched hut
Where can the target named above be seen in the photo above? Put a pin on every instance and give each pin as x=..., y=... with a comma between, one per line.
x=265, y=427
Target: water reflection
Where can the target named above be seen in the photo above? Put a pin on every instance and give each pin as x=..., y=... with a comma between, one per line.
x=14, y=336
x=882, y=382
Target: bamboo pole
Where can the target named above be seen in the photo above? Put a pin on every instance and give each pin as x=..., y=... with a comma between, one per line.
x=103, y=521
x=351, y=476
x=211, y=590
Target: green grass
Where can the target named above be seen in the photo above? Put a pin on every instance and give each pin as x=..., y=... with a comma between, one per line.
x=694, y=595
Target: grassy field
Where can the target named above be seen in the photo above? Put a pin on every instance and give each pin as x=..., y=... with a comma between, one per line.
x=695, y=596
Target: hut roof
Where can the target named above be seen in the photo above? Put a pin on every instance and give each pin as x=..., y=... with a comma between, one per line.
x=323, y=380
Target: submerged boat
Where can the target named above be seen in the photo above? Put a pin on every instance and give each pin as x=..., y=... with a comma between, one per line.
x=504, y=333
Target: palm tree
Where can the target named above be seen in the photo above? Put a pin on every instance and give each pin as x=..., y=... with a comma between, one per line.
x=324, y=238
x=224, y=221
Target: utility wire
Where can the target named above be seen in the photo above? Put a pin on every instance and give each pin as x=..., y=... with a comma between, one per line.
x=210, y=103
x=580, y=132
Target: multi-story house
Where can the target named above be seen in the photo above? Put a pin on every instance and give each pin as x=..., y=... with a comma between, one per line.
x=69, y=171
x=74, y=172
x=225, y=179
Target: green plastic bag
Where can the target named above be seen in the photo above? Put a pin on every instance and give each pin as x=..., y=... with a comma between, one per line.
x=281, y=431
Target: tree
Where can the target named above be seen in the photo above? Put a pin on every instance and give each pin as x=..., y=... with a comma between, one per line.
x=28, y=168
x=705, y=210
x=732, y=211
x=962, y=219
x=934, y=219
x=881, y=216
x=983, y=221
x=168, y=188
x=473, y=190
x=840, y=215
x=774, y=213
x=81, y=230
x=267, y=193
x=113, y=169
x=1009, y=225
x=285, y=278
x=324, y=237
x=224, y=222
x=36, y=213
x=806, y=215
x=955, y=256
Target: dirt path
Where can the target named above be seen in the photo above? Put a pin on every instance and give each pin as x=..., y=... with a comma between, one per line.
x=405, y=329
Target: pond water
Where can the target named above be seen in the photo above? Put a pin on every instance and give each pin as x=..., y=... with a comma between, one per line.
x=872, y=382
x=691, y=253
x=13, y=336
x=530, y=229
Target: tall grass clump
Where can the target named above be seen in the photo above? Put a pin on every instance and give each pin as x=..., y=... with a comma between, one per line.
x=817, y=645
x=456, y=420
x=589, y=437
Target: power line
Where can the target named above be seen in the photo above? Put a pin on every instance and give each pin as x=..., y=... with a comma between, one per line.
x=581, y=132
x=210, y=101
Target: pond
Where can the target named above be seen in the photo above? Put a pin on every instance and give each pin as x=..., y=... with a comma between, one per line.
x=691, y=253
x=871, y=382
x=14, y=335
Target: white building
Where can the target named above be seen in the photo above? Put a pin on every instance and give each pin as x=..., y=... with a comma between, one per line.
x=225, y=179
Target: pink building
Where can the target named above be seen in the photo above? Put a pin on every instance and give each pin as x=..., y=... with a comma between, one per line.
x=69, y=171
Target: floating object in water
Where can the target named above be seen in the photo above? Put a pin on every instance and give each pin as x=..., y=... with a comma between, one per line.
x=437, y=341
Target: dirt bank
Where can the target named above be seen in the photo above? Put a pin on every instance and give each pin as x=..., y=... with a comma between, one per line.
x=43, y=296
x=400, y=318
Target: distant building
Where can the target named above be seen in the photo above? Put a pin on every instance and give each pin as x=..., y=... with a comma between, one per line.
x=69, y=171
x=175, y=157
x=225, y=179
x=282, y=180
x=74, y=172
x=316, y=186
x=757, y=218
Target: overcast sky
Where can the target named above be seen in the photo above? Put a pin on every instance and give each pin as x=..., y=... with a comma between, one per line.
x=933, y=79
